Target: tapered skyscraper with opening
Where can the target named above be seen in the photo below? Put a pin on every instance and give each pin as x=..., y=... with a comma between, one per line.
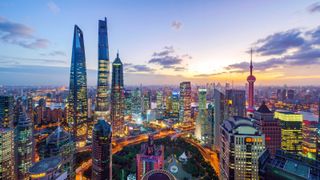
x=102, y=105
x=77, y=113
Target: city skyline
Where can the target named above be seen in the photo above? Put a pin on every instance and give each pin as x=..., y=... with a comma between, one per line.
x=203, y=46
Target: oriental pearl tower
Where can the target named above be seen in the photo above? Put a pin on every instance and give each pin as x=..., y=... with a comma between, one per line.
x=251, y=79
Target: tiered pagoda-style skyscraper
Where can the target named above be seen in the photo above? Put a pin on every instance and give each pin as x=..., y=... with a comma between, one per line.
x=117, y=98
x=251, y=79
x=77, y=113
x=102, y=105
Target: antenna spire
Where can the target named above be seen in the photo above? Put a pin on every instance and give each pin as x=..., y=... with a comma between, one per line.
x=251, y=62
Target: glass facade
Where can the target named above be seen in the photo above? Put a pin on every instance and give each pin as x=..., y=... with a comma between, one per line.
x=185, y=102
x=117, y=98
x=78, y=101
x=6, y=154
x=6, y=111
x=103, y=68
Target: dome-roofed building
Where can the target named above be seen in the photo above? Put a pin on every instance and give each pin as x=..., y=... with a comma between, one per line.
x=48, y=168
x=158, y=174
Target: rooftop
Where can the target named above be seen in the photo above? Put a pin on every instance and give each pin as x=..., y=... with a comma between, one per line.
x=45, y=165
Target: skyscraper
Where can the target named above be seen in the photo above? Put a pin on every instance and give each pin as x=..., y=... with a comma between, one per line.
x=6, y=154
x=102, y=150
x=291, y=130
x=6, y=111
x=136, y=108
x=102, y=105
x=268, y=126
x=240, y=148
x=24, y=145
x=201, y=121
x=77, y=112
x=236, y=103
x=309, y=141
x=185, y=102
x=216, y=115
x=117, y=98
x=60, y=143
x=251, y=79
x=150, y=158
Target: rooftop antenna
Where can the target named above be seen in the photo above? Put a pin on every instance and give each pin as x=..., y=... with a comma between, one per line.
x=251, y=62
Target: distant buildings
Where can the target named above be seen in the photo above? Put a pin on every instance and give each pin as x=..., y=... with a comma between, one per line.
x=150, y=158
x=291, y=130
x=117, y=99
x=102, y=150
x=77, y=112
x=240, y=148
x=7, y=163
x=102, y=100
x=236, y=103
x=269, y=126
x=24, y=145
x=185, y=102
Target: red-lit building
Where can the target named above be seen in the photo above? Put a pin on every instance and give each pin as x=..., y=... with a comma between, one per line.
x=251, y=79
x=150, y=158
x=269, y=126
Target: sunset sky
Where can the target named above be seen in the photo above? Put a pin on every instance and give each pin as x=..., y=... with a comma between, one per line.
x=164, y=41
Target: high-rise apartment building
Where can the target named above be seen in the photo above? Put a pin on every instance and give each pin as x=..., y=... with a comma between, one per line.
x=77, y=109
x=102, y=150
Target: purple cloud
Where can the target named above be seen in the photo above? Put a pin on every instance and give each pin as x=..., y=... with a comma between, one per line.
x=315, y=7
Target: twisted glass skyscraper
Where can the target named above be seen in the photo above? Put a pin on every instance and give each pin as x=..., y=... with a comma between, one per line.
x=103, y=69
x=78, y=100
x=117, y=98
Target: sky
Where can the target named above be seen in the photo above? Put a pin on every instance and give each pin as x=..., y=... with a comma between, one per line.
x=164, y=42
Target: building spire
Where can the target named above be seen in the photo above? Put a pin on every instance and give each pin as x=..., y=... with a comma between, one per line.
x=118, y=53
x=251, y=62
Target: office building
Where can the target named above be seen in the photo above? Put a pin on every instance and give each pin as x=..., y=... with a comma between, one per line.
x=216, y=115
x=6, y=111
x=201, y=121
x=269, y=126
x=185, y=102
x=77, y=108
x=117, y=99
x=150, y=158
x=24, y=145
x=136, y=108
x=240, y=148
x=309, y=138
x=47, y=169
x=236, y=103
x=7, y=154
x=102, y=100
x=60, y=143
x=102, y=150
x=291, y=130
x=175, y=104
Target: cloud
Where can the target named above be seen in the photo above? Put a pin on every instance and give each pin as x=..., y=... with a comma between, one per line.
x=167, y=59
x=54, y=53
x=176, y=25
x=21, y=35
x=279, y=43
x=137, y=68
x=53, y=7
x=9, y=60
x=315, y=7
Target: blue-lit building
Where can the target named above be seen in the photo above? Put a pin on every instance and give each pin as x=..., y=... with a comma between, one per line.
x=102, y=150
x=102, y=101
x=117, y=98
x=77, y=113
